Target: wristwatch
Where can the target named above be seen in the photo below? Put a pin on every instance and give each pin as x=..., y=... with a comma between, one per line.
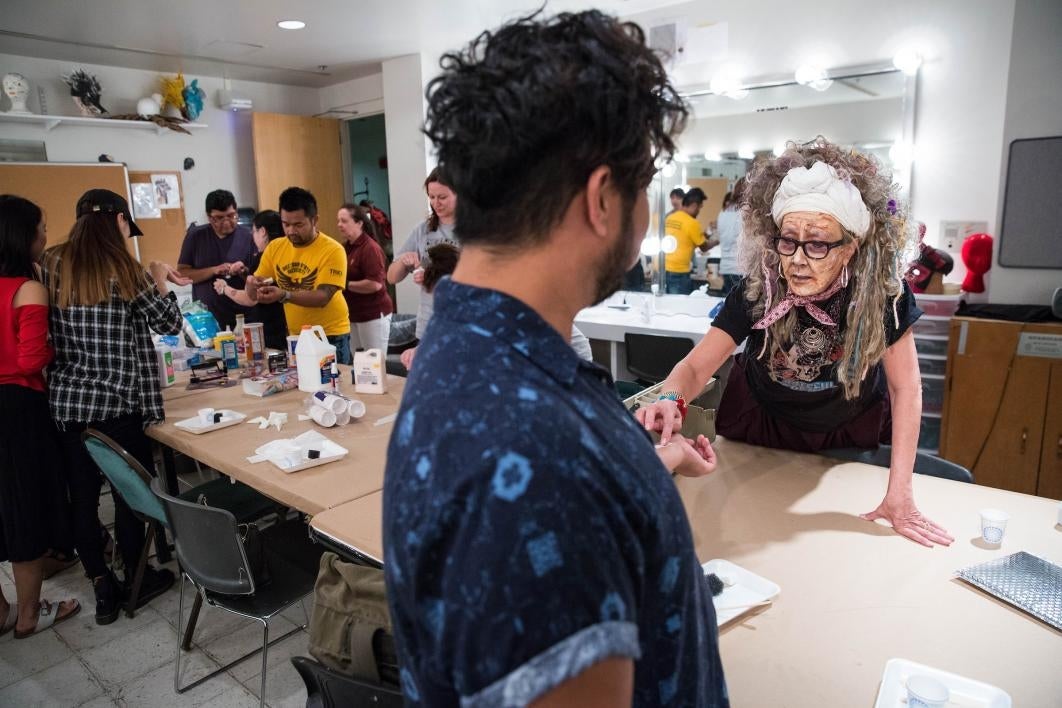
x=286, y=296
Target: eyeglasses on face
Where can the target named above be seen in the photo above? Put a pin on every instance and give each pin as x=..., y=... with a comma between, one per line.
x=816, y=250
x=218, y=218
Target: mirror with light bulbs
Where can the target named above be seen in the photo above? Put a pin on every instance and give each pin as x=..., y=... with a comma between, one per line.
x=732, y=124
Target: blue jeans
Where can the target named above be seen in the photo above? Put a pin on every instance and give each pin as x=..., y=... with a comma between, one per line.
x=678, y=283
x=342, y=344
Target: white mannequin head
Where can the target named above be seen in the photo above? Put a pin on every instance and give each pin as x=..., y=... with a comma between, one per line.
x=16, y=86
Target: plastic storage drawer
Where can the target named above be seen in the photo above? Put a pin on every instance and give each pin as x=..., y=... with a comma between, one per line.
x=931, y=346
x=932, y=365
x=929, y=434
x=938, y=305
x=932, y=394
x=933, y=326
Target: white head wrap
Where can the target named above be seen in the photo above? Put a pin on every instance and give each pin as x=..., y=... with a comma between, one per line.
x=820, y=189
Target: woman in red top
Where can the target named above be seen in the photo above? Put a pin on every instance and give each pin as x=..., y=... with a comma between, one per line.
x=32, y=512
x=366, y=295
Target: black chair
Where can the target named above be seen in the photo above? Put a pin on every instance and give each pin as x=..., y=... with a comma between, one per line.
x=129, y=480
x=326, y=688
x=651, y=358
x=924, y=463
x=213, y=556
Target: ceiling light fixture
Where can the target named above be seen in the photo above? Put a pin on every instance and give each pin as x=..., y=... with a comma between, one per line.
x=728, y=83
x=908, y=61
x=813, y=77
x=713, y=156
x=291, y=24
x=747, y=154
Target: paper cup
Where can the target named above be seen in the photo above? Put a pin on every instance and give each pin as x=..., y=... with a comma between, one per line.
x=993, y=525
x=322, y=416
x=206, y=416
x=926, y=692
x=336, y=404
x=342, y=418
x=355, y=408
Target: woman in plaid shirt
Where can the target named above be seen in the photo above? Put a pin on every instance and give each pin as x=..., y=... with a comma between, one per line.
x=105, y=374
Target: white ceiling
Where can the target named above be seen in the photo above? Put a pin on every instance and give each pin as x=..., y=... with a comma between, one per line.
x=239, y=38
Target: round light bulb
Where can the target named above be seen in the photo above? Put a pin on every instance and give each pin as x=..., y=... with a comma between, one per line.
x=650, y=246
x=907, y=61
x=668, y=244
x=808, y=73
x=291, y=24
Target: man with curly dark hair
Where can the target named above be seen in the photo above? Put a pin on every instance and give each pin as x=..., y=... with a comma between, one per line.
x=537, y=549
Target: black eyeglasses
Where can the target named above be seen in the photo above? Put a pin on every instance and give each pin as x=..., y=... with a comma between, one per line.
x=816, y=250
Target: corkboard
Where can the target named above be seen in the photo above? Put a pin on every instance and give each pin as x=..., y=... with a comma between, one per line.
x=162, y=237
x=56, y=186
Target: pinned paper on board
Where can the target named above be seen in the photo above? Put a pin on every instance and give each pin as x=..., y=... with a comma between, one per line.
x=144, y=204
x=167, y=191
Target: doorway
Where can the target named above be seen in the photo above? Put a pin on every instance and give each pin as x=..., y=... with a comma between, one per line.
x=367, y=138
x=368, y=161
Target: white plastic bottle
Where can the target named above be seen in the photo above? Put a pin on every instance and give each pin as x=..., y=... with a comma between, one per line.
x=370, y=374
x=313, y=359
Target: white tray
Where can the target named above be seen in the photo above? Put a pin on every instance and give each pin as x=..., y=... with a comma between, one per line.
x=964, y=692
x=198, y=427
x=748, y=589
x=330, y=452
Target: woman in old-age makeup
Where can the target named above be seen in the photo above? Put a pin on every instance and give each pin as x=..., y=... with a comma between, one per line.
x=825, y=315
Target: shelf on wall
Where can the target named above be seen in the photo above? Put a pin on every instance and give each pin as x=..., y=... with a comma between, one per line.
x=51, y=122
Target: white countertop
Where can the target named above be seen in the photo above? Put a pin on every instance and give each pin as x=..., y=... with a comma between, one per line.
x=669, y=315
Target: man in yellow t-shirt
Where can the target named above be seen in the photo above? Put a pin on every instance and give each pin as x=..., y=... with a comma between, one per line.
x=683, y=226
x=308, y=271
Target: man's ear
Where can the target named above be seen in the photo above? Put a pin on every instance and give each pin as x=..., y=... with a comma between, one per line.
x=600, y=200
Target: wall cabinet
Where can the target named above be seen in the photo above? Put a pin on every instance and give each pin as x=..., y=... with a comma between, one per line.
x=1002, y=415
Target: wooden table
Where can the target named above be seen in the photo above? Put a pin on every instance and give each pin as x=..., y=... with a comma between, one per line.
x=310, y=491
x=353, y=529
x=853, y=594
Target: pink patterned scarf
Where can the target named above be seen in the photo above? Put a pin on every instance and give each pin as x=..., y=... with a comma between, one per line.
x=778, y=311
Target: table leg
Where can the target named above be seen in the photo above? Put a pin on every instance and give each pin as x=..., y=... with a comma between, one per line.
x=169, y=481
x=613, y=359
x=169, y=471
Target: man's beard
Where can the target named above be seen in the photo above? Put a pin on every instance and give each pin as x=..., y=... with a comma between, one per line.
x=618, y=260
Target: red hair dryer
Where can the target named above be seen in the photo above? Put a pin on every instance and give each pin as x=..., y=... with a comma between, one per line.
x=977, y=255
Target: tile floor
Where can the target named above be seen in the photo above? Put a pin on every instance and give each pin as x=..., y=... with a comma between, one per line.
x=131, y=662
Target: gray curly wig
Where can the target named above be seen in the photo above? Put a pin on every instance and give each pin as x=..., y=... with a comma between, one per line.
x=876, y=280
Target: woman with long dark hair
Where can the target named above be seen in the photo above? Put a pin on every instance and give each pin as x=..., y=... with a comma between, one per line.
x=105, y=374
x=367, y=299
x=32, y=506
x=437, y=228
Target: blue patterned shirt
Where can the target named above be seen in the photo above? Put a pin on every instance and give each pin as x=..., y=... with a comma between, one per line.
x=530, y=530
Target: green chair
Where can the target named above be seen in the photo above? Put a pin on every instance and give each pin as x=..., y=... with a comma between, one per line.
x=131, y=481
